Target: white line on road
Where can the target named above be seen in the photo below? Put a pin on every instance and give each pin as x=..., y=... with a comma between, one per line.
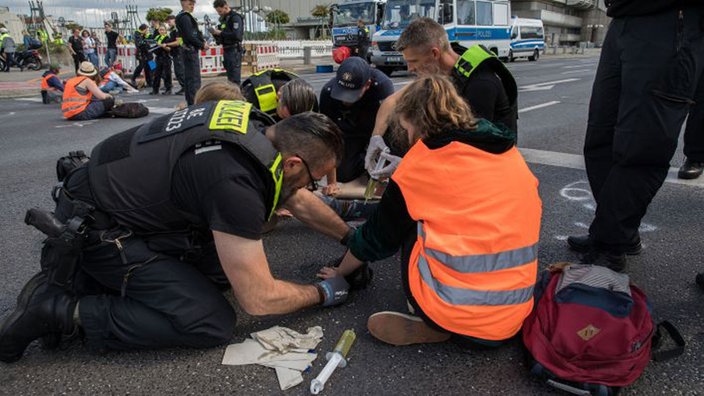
x=30, y=99
x=577, y=71
x=161, y=110
x=540, y=106
x=574, y=161
x=574, y=66
x=545, y=86
x=8, y=114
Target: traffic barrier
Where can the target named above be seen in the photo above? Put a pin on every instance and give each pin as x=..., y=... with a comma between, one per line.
x=211, y=61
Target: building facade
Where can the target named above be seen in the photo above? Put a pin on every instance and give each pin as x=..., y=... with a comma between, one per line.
x=567, y=22
x=13, y=23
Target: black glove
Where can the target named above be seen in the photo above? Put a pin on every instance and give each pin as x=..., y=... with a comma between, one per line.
x=360, y=278
x=333, y=291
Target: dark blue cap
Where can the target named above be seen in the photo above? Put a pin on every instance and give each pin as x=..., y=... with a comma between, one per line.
x=352, y=74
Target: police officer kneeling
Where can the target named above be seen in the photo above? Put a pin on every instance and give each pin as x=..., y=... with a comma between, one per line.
x=176, y=209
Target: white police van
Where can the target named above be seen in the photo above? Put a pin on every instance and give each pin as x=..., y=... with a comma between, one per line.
x=527, y=39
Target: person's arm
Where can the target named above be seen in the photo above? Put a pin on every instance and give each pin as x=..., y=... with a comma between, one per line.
x=55, y=82
x=235, y=31
x=482, y=93
x=311, y=210
x=188, y=34
x=331, y=188
x=256, y=290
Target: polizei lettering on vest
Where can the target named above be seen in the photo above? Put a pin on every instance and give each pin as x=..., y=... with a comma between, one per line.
x=230, y=115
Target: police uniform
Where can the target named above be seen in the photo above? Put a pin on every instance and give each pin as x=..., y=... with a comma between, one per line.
x=193, y=42
x=163, y=187
x=362, y=41
x=261, y=88
x=232, y=28
x=163, y=65
x=143, y=57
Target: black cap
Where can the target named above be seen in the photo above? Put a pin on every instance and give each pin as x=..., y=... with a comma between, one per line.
x=352, y=74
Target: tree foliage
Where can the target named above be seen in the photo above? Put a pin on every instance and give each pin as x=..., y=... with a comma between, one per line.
x=321, y=11
x=71, y=26
x=159, y=13
x=277, y=17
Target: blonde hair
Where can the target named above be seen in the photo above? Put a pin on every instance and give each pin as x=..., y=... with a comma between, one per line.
x=433, y=105
x=218, y=90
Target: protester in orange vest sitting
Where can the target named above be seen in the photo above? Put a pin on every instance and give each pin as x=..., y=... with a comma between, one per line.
x=52, y=86
x=464, y=209
x=110, y=80
x=83, y=100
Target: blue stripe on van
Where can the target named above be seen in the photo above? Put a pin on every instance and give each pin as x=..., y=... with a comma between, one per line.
x=528, y=44
x=479, y=33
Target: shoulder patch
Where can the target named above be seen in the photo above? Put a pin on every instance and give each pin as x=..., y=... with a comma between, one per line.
x=177, y=122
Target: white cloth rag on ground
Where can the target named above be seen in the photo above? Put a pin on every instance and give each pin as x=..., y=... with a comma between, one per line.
x=280, y=348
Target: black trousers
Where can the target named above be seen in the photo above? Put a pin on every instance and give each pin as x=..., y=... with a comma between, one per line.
x=155, y=292
x=232, y=57
x=142, y=64
x=191, y=76
x=694, y=131
x=649, y=69
x=178, y=66
x=352, y=164
x=163, y=70
x=77, y=59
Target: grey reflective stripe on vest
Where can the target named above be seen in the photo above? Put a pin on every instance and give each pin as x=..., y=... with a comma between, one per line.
x=461, y=296
x=476, y=263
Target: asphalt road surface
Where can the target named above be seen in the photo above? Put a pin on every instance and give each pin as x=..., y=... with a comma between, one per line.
x=553, y=103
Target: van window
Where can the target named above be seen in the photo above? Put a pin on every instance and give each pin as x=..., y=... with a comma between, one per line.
x=531, y=32
x=484, y=13
x=465, y=12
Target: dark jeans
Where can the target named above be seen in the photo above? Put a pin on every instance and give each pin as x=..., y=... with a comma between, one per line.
x=460, y=339
x=694, y=131
x=142, y=64
x=161, y=292
x=163, y=70
x=110, y=56
x=176, y=55
x=77, y=59
x=96, y=109
x=10, y=60
x=645, y=82
x=191, y=65
x=232, y=57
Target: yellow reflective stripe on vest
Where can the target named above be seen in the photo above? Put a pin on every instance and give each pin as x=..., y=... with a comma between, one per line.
x=476, y=263
x=461, y=296
x=277, y=173
x=266, y=95
x=472, y=58
x=160, y=39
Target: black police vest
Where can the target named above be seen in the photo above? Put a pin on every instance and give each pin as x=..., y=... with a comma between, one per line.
x=130, y=173
x=261, y=88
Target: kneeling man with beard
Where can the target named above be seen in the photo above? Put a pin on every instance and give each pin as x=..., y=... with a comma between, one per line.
x=168, y=215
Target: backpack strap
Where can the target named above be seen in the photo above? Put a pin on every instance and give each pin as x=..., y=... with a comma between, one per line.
x=675, y=336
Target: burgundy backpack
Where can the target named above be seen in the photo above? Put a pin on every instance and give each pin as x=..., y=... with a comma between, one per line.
x=591, y=331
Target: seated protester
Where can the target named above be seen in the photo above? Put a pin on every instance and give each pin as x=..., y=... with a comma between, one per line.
x=111, y=80
x=82, y=99
x=469, y=253
x=52, y=86
x=263, y=90
x=352, y=99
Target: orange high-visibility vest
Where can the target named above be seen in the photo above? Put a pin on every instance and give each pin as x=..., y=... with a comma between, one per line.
x=73, y=102
x=45, y=81
x=474, y=265
x=106, y=78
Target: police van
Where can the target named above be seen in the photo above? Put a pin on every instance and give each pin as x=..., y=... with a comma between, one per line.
x=527, y=39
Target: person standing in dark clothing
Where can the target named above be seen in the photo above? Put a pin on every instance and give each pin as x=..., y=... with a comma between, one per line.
x=351, y=99
x=694, y=141
x=111, y=53
x=143, y=55
x=75, y=47
x=362, y=39
x=163, y=63
x=193, y=42
x=639, y=101
x=229, y=34
x=176, y=53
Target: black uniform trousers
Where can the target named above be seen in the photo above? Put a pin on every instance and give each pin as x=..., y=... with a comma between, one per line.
x=152, y=292
x=232, y=58
x=142, y=64
x=163, y=70
x=191, y=73
x=178, y=66
x=694, y=131
x=645, y=83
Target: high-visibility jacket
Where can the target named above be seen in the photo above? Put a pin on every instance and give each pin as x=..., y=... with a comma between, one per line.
x=105, y=77
x=73, y=102
x=261, y=88
x=45, y=82
x=474, y=264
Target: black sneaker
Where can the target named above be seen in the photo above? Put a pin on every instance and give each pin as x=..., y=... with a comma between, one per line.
x=180, y=92
x=153, y=93
x=615, y=262
x=583, y=244
x=691, y=169
x=41, y=310
x=167, y=92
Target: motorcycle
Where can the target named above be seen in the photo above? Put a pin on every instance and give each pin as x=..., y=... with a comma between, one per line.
x=30, y=59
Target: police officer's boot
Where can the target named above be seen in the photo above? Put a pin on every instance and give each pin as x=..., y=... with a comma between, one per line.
x=41, y=310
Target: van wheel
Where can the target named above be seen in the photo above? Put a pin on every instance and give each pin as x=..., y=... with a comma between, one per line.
x=536, y=55
x=510, y=56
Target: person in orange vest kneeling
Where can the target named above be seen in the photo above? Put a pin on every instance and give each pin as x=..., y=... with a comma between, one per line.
x=83, y=99
x=464, y=209
x=52, y=88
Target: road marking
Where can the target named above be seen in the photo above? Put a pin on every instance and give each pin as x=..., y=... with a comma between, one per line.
x=540, y=106
x=577, y=71
x=77, y=124
x=161, y=110
x=8, y=114
x=575, y=161
x=545, y=86
x=38, y=100
x=573, y=66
